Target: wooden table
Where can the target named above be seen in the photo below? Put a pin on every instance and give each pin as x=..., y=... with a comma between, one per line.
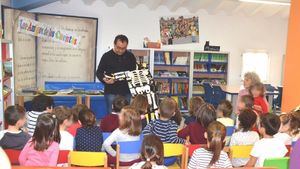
x=23, y=167
x=21, y=96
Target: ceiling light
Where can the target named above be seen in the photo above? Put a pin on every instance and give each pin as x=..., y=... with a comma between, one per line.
x=267, y=2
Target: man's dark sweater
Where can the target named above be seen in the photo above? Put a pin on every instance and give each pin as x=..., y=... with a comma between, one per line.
x=113, y=63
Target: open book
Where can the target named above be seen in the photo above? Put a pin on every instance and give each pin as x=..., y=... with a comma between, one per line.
x=37, y=60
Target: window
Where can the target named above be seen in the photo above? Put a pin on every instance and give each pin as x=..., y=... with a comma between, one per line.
x=256, y=62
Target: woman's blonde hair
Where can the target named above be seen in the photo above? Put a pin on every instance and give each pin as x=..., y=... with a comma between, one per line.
x=253, y=77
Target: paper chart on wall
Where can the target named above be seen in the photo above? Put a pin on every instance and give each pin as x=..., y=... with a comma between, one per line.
x=57, y=62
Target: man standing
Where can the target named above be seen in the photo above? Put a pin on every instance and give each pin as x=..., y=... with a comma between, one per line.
x=116, y=60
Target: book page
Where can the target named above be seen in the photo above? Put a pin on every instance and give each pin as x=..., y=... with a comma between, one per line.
x=24, y=49
x=61, y=62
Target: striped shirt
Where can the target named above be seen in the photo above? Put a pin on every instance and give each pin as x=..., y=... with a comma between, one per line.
x=166, y=130
x=201, y=158
x=31, y=120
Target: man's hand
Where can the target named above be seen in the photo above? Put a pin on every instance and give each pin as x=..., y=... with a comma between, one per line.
x=108, y=80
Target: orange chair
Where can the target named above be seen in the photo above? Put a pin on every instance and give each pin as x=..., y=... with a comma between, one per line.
x=192, y=148
x=63, y=156
x=13, y=156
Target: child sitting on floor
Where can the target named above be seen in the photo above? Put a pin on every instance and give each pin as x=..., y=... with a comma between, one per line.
x=129, y=130
x=213, y=156
x=244, y=135
x=164, y=127
x=111, y=121
x=258, y=90
x=43, y=148
x=89, y=136
x=75, y=112
x=40, y=104
x=224, y=111
x=205, y=114
x=152, y=154
x=14, y=137
x=268, y=146
x=64, y=117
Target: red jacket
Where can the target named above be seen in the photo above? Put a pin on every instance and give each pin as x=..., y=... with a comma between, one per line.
x=73, y=129
x=260, y=101
x=109, y=123
x=195, y=131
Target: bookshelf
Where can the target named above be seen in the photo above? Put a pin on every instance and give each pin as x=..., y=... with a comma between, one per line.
x=7, y=80
x=171, y=70
x=209, y=67
x=142, y=57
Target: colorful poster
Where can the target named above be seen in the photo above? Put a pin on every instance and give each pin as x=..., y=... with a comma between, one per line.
x=179, y=30
x=42, y=30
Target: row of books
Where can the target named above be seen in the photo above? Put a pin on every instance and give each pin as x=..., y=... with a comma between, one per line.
x=167, y=58
x=175, y=87
x=215, y=57
x=200, y=67
x=212, y=81
x=218, y=57
x=165, y=73
x=180, y=88
x=202, y=57
x=163, y=87
x=182, y=102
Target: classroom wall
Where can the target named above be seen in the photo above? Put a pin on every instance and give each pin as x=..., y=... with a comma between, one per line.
x=291, y=83
x=234, y=34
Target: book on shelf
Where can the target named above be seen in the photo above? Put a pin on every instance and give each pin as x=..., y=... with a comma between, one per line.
x=218, y=58
x=5, y=51
x=180, y=88
x=200, y=67
x=182, y=60
x=181, y=101
x=163, y=87
x=159, y=58
x=165, y=73
x=167, y=56
x=202, y=57
x=211, y=81
x=198, y=89
x=7, y=68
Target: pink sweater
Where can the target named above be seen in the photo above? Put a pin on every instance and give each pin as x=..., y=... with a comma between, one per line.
x=30, y=157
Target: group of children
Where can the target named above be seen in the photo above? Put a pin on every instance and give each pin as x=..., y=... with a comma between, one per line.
x=45, y=130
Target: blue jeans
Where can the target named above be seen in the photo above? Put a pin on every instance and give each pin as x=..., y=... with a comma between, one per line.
x=109, y=98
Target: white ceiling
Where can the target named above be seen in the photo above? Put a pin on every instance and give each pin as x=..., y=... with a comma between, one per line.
x=229, y=7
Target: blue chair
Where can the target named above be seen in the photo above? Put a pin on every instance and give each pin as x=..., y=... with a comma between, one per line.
x=105, y=135
x=218, y=95
x=127, y=147
x=230, y=130
x=208, y=92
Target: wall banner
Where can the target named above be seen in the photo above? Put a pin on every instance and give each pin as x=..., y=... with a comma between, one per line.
x=42, y=30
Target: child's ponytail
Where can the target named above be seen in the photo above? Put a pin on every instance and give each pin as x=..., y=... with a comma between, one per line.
x=152, y=151
x=147, y=164
x=216, y=133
